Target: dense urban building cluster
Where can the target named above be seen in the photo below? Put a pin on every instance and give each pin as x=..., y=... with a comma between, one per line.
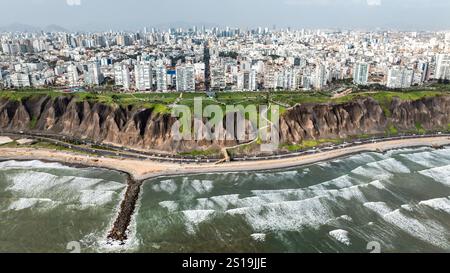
x=223, y=59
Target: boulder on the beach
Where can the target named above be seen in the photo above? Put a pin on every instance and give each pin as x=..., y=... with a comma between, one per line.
x=5, y=140
x=25, y=141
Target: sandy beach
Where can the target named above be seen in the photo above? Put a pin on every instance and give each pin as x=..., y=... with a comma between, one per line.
x=146, y=169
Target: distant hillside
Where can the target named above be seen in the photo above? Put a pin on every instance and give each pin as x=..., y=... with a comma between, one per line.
x=18, y=27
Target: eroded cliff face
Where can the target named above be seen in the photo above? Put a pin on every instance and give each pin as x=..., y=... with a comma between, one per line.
x=146, y=129
x=364, y=117
x=94, y=121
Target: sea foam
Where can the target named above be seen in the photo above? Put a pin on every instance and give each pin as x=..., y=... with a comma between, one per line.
x=96, y=198
x=86, y=192
x=26, y=203
x=194, y=217
x=341, y=236
x=380, y=208
x=289, y=215
x=168, y=186
x=383, y=169
x=426, y=230
x=33, y=164
x=439, y=174
x=259, y=237
x=427, y=159
x=441, y=204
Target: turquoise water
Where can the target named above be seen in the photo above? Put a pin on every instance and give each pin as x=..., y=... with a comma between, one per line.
x=44, y=206
x=398, y=201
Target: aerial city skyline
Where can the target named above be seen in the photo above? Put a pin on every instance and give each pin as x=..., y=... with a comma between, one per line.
x=100, y=15
x=223, y=59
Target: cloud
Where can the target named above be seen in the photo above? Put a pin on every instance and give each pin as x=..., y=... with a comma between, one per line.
x=73, y=2
x=332, y=2
x=374, y=2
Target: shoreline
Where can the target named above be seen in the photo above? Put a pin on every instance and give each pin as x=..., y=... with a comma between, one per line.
x=141, y=170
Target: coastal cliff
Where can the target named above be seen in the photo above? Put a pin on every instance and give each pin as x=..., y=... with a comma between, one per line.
x=148, y=129
x=364, y=117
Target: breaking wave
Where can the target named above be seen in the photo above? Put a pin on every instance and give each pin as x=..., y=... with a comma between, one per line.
x=46, y=204
x=371, y=196
x=439, y=204
x=439, y=174
x=34, y=164
x=341, y=236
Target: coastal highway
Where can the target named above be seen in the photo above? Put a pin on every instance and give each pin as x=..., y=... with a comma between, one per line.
x=103, y=149
x=108, y=150
x=353, y=143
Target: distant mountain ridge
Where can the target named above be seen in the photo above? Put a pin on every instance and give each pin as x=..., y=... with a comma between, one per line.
x=93, y=27
x=19, y=27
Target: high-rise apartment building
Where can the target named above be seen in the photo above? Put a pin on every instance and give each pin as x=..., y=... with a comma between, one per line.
x=289, y=79
x=207, y=61
x=361, y=74
x=122, y=76
x=320, y=77
x=123, y=40
x=400, y=77
x=218, y=79
x=423, y=69
x=246, y=81
x=20, y=80
x=306, y=82
x=72, y=75
x=185, y=78
x=143, y=76
x=443, y=67
x=93, y=75
x=161, y=77
x=270, y=78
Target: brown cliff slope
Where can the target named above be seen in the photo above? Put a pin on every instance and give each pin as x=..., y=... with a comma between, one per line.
x=146, y=129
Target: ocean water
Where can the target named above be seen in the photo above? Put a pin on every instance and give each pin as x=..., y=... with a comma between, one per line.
x=46, y=206
x=393, y=202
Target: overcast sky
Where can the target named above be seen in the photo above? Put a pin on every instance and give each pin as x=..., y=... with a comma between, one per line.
x=136, y=14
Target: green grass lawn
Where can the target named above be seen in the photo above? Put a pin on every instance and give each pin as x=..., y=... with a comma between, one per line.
x=45, y=145
x=388, y=96
x=391, y=130
x=201, y=153
x=161, y=101
x=308, y=144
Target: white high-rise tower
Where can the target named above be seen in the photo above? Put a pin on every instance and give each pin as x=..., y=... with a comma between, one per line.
x=143, y=76
x=361, y=73
x=72, y=75
x=122, y=76
x=443, y=67
x=161, y=77
x=185, y=78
